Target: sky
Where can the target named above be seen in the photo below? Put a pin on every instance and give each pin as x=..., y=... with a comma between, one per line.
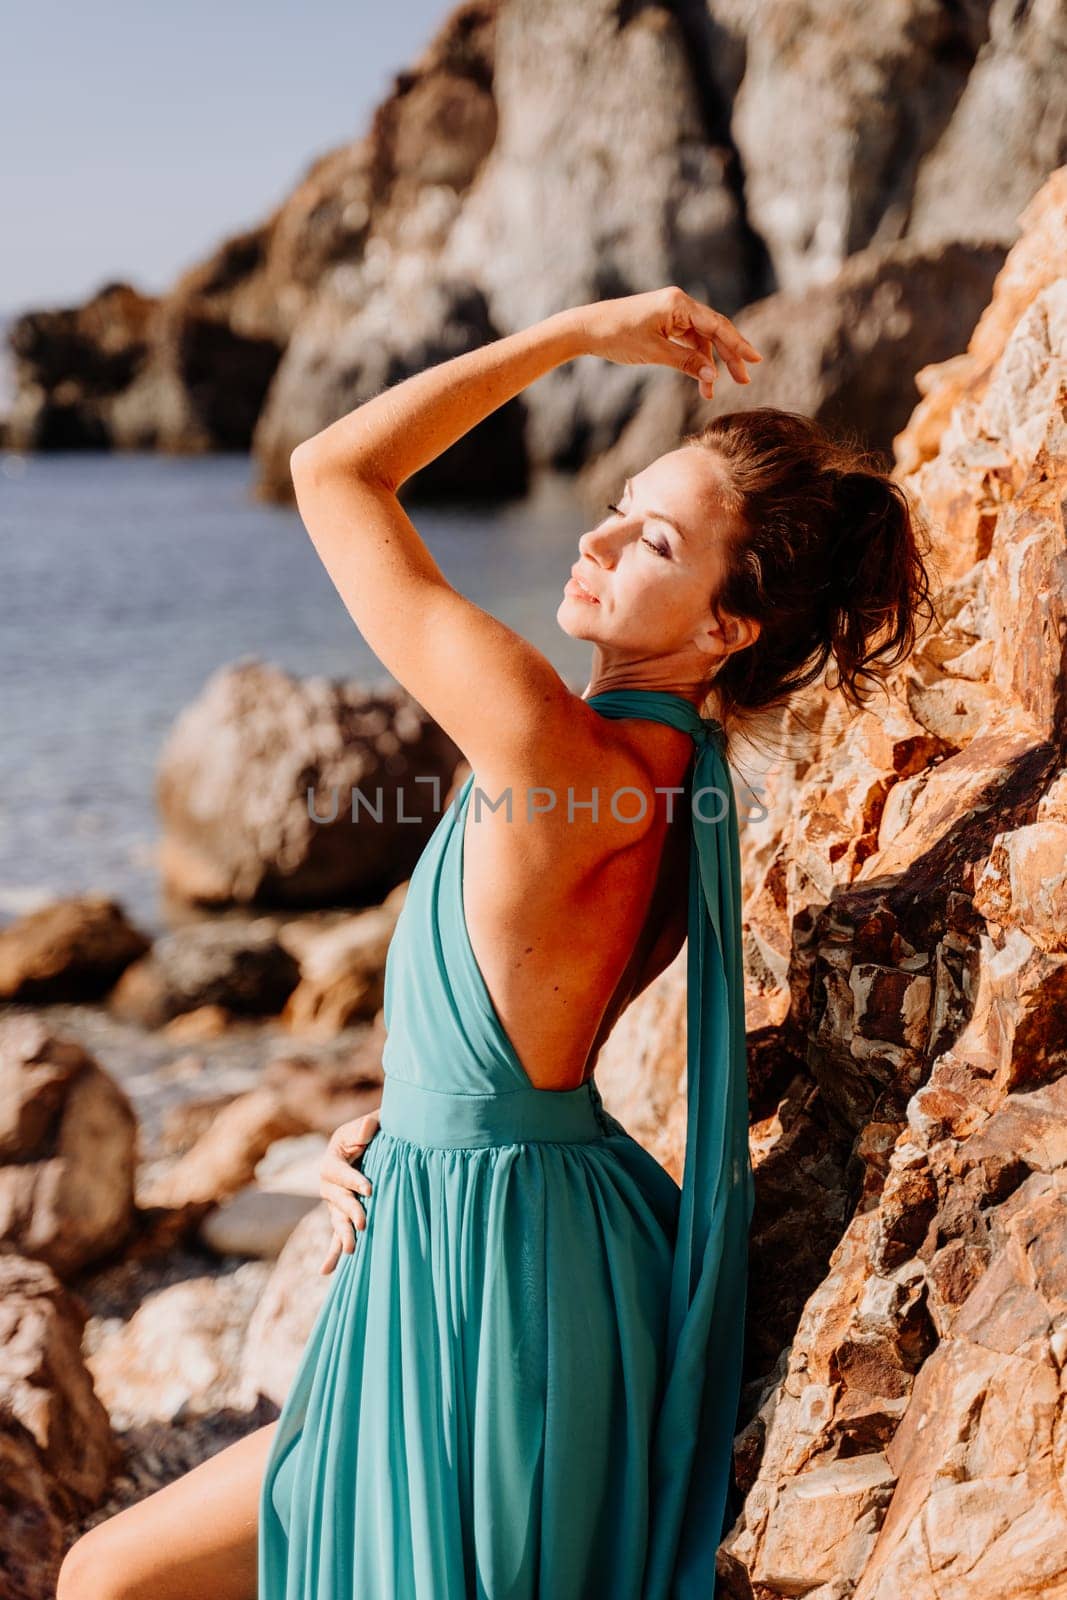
x=136, y=134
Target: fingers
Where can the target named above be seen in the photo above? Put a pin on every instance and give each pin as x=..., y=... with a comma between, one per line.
x=346, y=1218
x=352, y=1138
x=339, y=1179
x=694, y=361
x=715, y=329
x=333, y=1170
x=337, y=1197
x=707, y=371
x=731, y=344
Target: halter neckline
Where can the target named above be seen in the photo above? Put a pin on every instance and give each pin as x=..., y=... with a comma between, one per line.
x=679, y=712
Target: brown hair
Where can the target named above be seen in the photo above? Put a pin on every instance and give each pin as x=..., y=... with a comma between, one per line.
x=828, y=559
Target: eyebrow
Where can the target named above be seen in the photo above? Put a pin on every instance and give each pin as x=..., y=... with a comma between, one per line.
x=660, y=516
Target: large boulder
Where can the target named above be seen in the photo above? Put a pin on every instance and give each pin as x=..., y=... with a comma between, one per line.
x=68, y=1149
x=73, y=949
x=180, y=1351
x=342, y=971
x=263, y=775
x=57, y=1450
x=985, y=413
x=45, y=1384
x=241, y=967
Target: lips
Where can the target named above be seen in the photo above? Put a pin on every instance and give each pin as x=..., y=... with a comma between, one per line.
x=583, y=589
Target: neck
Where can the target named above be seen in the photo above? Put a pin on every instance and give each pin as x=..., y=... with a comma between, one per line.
x=670, y=674
x=698, y=695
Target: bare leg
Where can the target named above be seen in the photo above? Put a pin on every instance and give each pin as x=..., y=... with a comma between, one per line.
x=194, y=1537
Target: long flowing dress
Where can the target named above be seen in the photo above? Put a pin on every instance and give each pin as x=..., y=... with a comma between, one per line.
x=522, y=1383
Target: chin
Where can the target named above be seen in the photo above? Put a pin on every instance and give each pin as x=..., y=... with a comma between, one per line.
x=574, y=619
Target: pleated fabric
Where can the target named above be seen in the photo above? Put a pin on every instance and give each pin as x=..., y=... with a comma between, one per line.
x=523, y=1383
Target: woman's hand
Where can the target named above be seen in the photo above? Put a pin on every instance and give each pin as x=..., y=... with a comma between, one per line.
x=665, y=327
x=338, y=1177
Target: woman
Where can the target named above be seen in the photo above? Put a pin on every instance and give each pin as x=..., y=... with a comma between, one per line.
x=523, y=1381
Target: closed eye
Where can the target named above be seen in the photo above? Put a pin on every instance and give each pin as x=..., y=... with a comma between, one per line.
x=663, y=550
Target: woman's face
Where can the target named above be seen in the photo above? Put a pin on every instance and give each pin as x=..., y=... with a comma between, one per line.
x=652, y=565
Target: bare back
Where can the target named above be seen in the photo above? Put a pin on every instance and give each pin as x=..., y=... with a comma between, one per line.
x=570, y=920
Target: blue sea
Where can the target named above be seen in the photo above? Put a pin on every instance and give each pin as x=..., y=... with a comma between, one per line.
x=127, y=580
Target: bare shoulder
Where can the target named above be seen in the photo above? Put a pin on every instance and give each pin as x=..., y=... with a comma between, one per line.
x=580, y=768
x=576, y=799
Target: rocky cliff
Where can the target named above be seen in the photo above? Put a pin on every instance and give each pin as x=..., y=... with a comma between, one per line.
x=541, y=154
x=906, y=929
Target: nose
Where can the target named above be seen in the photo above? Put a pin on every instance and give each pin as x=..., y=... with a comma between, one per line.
x=600, y=544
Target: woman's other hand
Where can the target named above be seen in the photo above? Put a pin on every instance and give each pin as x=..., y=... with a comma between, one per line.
x=665, y=327
x=340, y=1180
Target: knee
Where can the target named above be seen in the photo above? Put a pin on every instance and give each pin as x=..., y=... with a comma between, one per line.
x=86, y=1573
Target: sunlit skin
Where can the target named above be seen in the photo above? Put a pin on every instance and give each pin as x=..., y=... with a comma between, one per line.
x=654, y=563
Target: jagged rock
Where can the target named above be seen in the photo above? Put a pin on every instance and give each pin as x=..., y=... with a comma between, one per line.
x=260, y=777
x=1035, y=262
x=923, y=919
x=68, y=1149
x=74, y=949
x=243, y=967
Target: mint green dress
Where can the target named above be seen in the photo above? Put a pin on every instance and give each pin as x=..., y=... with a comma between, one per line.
x=523, y=1381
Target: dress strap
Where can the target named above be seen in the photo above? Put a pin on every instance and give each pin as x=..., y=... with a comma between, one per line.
x=693, y=1444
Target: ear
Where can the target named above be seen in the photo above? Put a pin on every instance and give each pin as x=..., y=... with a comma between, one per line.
x=741, y=632
x=722, y=634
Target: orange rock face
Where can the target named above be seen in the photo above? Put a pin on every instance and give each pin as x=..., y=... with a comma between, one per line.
x=909, y=887
x=906, y=951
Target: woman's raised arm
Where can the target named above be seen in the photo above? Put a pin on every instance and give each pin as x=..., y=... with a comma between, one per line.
x=496, y=695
